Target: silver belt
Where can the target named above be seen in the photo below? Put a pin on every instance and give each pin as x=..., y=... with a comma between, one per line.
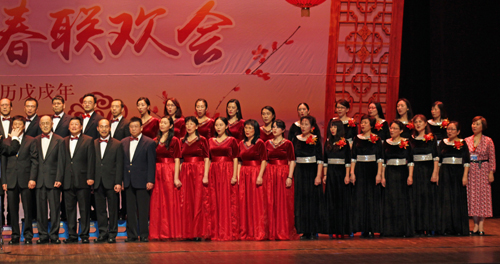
x=396, y=162
x=306, y=159
x=422, y=157
x=336, y=161
x=366, y=158
x=452, y=160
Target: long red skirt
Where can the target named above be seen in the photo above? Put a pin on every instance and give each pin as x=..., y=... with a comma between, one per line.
x=280, y=203
x=194, y=201
x=224, y=209
x=164, y=212
x=253, y=214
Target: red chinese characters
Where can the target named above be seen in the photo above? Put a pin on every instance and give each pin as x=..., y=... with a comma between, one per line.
x=15, y=35
x=200, y=34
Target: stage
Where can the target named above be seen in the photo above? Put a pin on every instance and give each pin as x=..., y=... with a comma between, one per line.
x=439, y=249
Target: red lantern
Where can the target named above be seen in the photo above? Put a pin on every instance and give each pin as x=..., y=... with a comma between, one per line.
x=305, y=5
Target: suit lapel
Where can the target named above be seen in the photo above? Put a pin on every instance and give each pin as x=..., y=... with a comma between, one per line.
x=126, y=147
x=108, y=146
x=52, y=145
x=23, y=144
x=91, y=119
x=78, y=144
x=66, y=142
x=139, y=145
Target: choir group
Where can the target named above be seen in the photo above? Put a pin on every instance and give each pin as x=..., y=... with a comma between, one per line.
x=196, y=178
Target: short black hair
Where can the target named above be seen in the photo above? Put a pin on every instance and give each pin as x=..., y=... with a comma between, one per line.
x=256, y=128
x=270, y=109
x=58, y=97
x=121, y=102
x=77, y=118
x=91, y=95
x=135, y=119
x=31, y=99
x=371, y=119
x=19, y=118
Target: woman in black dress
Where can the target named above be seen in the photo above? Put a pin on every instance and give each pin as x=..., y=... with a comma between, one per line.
x=366, y=175
x=381, y=128
x=351, y=129
x=397, y=176
x=439, y=121
x=307, y=175
x=452, y=204
x=405, y=114
x=425, y=177
x=302, y=110
x=337, y=165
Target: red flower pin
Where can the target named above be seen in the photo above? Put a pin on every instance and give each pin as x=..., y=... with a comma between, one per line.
x=351, y=123
x=312, y=129
x=378, y=126
x=311, y=140
x=341, y=143
x=410, y=126
x=458, y=144
x=373, y=138
x=428, y=137
x=445, y=123
x=403, y=143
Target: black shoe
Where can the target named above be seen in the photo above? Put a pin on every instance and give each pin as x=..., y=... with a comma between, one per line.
x=55, y=241
x=111, y=240
x=197, y=239
x=71, y=240
x=370, y=235
x=100, y=240
x=28, y=241
x=481, y=233
x=472, y=233
x=314, y=236
x=305, y=237
x=85, y=241
x=129, y=239
x=147, y=240
x=14, y=241
x=42, y=241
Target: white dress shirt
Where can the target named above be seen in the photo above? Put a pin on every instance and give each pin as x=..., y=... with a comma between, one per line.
x=114, y=125
x=86, y=121
x=133, y=146
x=45, y=144
x=28, y=122
x=6, y=126
x=104, y=145
x=72, y=144
x=55, y=121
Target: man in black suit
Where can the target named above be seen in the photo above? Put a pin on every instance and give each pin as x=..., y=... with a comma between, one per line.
x=60, y=120
x=108, y=182
x=79, y=167
x=90, y=118
x=5, y=128
x=19, y=175
x=32, y=119
x=120, y=130
x=50, y=148
x=138, y=179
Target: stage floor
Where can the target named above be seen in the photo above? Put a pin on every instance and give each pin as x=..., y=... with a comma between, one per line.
x=437, y=249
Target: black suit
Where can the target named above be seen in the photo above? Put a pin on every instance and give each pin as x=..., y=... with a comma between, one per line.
x=109, y=173
x=136, y=174
x=33, y=127
x=122, y=131
x=50, y=170
x=91, y=128
x=4, y=136
x=18, y=168
x=2, y=131
x=77, y=170
x=62, y=128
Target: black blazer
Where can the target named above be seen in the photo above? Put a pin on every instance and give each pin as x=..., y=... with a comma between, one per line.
x=33, y=129
x=50, y=167
x=80, y=168
x=122, y=129
x=62, y=128
x=2, y=132
x=19, y=167
x=142, y=168
x=109, y=169
x=91, y=128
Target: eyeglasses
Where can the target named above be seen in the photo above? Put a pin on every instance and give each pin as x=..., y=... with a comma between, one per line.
x=451, y=129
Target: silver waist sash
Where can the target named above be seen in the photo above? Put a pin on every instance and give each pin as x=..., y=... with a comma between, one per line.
x=366, y=158
x=421, y=157
x=396, y=162
x=452, y=160
x=336, y=161
x=306, y=159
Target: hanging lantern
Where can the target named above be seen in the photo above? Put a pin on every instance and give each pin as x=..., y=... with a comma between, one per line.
x=305, y=5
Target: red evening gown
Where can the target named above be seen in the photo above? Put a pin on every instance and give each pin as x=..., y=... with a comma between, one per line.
x=206, y=128
x=265, y=135
x=150, y=128
x=224, y=209
x=194, y=195
x=280, y=199
x=179, y=127
x=253, y=204
x=236, y=129
x=164, y=216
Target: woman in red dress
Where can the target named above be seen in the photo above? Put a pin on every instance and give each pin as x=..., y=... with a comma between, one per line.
x=206, y=127
x=235, y=119
x=224, y=210
x=150, y=125
x=252, y=193
x=268, y=116
x=173, y=109
x=279, y=184
x=194, y=179
x=164, y=217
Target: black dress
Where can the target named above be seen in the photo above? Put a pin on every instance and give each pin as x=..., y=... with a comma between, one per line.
x=366, y=196
x=424, y=192
x=295, y=130
x=397, y=218
x=437, y=129
x=381, y=129
x=350, y=129
x=452, y=195
x=337, y=193
x=307, y=195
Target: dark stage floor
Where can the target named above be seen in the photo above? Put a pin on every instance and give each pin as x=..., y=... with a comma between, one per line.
x=440, y=249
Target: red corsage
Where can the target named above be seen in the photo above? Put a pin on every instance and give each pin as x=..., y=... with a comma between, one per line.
x=428, y=137
x=373, y=138
x=351, y=123
x=341, y=143
x=403, y=143
x=410, y=126
x=312, y=129
x=378, y=126
x=458, y=144
x=445, y=123
x=311, y=140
